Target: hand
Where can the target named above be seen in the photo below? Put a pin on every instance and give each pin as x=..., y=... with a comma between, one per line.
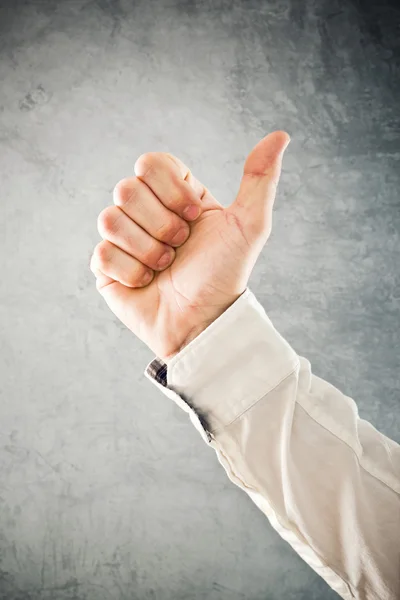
x=210, y=267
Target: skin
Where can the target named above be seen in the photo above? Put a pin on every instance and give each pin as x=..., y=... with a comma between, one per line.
x=208, y=270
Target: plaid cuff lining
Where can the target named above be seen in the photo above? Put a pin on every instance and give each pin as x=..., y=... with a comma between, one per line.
x=158, y=370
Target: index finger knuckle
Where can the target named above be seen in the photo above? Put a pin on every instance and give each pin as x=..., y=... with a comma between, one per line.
x=147, y=163
x=101, y=254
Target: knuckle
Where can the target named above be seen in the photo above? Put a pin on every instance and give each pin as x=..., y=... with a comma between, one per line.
x=178, y=202
x=167, y=231
x=107, y=220
x=132, y=279
x=125, y=191
x=102, y=254
x=136, y=277
x=146, y=163
x=145, y=157
x=154, y=255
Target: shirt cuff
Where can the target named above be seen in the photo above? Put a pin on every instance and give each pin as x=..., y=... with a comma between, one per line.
x=227, y=368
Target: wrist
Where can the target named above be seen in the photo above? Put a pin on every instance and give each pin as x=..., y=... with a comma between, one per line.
x=194, y=333
x=198, y=329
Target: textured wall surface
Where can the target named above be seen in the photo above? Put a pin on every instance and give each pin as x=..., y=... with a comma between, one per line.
x=106, y=489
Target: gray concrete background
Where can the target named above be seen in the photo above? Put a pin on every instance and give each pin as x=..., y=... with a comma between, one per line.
x=106, y=489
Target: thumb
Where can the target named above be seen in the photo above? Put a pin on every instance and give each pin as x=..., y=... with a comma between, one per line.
x=261, y=174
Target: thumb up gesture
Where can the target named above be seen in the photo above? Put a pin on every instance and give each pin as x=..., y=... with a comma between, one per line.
x=168, y=273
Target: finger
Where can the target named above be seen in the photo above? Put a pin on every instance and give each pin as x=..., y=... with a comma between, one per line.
x=187, y=175
x=111, y=261
x=167, y=180
x=141, y=205
x=119, y=297
x=101, y=280
x=115, y=226
x=208, y=202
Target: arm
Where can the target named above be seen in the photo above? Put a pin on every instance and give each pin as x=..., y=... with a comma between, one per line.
x=328, y=481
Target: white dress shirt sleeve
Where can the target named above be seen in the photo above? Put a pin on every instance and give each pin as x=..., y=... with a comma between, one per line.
x=327, y=480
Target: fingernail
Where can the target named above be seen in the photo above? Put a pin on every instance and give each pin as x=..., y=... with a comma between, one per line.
x=180, y=237
x=147, y=277
x=191, y=212
x=164, y=260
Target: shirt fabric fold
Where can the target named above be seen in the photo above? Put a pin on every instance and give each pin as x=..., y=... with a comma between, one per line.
x=327, y=480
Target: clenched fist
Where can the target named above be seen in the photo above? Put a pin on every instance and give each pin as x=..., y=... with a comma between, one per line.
x=173, y=259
